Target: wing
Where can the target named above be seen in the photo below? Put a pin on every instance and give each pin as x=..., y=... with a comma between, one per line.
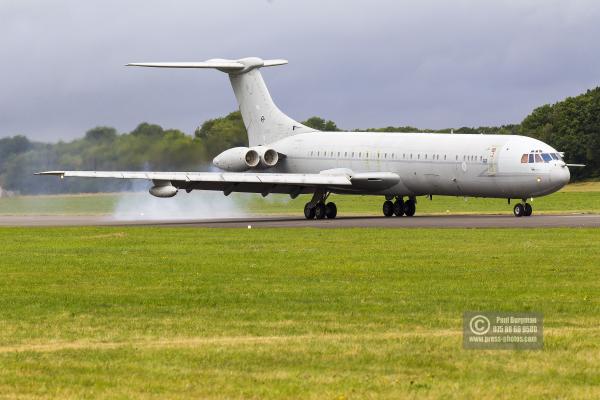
x=250, y=182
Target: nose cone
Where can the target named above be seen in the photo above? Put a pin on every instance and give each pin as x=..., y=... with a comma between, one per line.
x=560, y=176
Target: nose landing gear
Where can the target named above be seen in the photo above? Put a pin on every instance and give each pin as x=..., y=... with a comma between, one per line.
x=523, y=209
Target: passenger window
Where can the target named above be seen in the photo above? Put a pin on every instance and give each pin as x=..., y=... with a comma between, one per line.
x=524, y=159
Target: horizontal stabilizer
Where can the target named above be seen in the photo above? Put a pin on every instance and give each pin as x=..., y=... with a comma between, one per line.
x=240, y=65
x=228, y=65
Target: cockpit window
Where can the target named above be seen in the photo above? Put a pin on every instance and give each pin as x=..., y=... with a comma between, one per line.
x=546, y=157
x=539, y=157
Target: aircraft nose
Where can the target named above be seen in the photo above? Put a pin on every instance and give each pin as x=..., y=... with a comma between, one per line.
x=560, y=175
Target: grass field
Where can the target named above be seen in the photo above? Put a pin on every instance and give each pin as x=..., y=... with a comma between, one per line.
x=580, y=197
x=292, y=313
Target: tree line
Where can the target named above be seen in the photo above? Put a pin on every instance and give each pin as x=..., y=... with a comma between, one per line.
x=571, y=126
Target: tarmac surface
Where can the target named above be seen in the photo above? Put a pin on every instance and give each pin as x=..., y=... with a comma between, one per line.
x=422, y=221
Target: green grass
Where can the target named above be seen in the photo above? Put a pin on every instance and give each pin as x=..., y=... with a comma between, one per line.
x=78, y=204
x=292, y=313
x=580, y=197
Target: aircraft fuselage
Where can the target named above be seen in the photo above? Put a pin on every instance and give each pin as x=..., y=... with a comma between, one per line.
x=436, y=164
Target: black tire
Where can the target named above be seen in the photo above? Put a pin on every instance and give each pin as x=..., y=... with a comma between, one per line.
x=409, y=208
x=399, y=208
x=388, y=208
x=331, y=210
x=320, y=211
x=309, y=212
x=519, y=210
x=528, y=209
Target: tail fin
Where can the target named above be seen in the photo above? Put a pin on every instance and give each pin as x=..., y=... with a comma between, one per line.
x=264, y=122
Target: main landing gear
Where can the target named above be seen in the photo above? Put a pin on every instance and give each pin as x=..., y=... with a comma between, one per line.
x=523, y=209
x=317, y=208
x=399, y=207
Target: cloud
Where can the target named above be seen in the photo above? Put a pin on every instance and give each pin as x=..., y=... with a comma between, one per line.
x=363, y=64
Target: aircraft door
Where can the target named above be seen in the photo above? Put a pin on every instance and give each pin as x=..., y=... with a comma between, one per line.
x=492, y=160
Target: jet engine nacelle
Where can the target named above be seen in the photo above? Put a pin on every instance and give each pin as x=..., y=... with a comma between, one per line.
x=237, y=159
x=268, y=156
x=163, y=189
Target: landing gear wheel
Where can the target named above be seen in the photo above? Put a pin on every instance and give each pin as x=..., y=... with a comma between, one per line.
x=331, y=210
x=409, y=208
x=399, y=208
x=320, y=211
x=388, y=208
x=528, y=209
x=309, y=211
x=519, y=210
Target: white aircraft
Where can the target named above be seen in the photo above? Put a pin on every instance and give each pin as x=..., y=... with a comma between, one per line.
x=285, y=156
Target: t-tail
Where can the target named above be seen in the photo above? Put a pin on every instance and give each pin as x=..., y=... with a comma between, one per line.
x=264, y=122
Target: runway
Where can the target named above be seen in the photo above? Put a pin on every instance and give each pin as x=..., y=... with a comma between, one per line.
x=423, y=221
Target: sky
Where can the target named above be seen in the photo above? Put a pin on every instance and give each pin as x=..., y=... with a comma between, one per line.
x=429, y=64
